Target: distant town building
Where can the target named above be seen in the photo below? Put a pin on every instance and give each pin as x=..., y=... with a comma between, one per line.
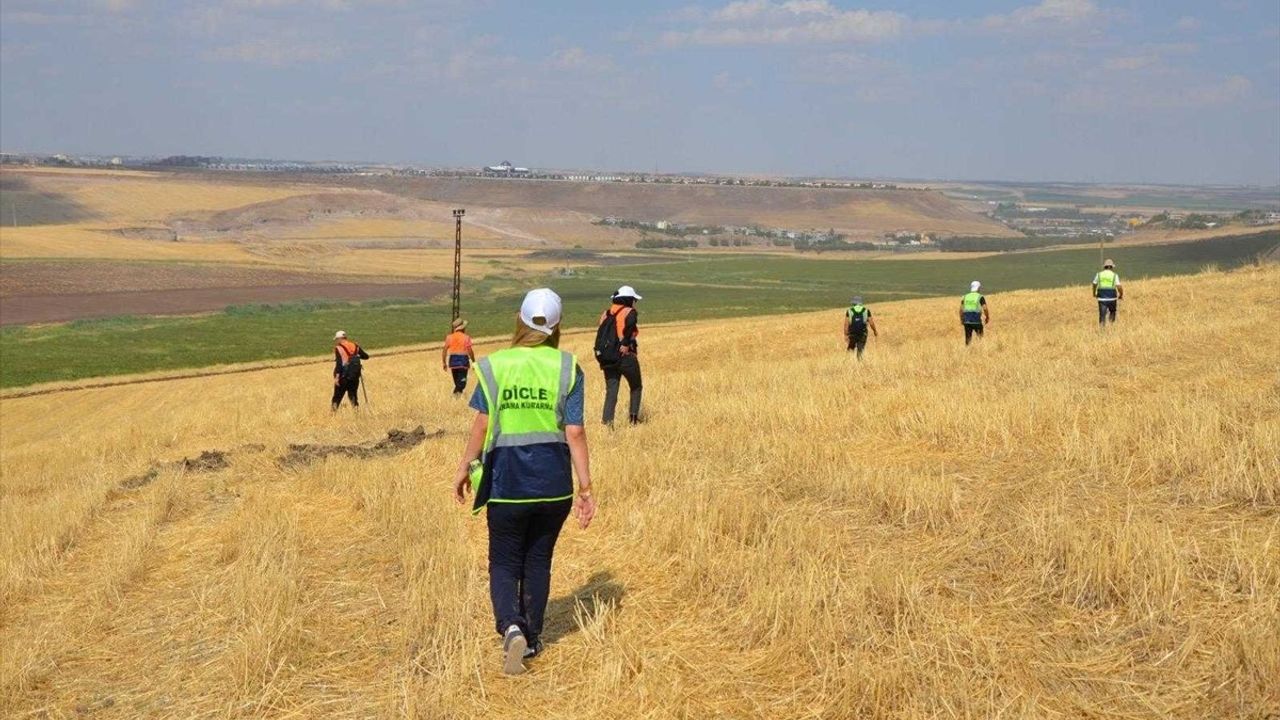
x=505, y=169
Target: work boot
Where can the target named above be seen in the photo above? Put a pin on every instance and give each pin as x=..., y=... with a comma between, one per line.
x=514, y=646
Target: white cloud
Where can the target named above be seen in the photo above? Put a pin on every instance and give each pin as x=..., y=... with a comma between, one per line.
x=1187, y=23
x=577, y=59
x=1132, y=62
x=278, y=51
x=727, y=82
x=116, y=6
x=35, y=17
x=1141, y=91
x=808, y=22
x=1229, y=90
x=1046, y=13
x=764, y=22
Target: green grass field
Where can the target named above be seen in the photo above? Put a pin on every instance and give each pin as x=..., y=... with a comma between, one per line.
x=679, y=289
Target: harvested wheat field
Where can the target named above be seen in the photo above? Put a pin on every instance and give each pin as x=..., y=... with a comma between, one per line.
x=1053, y=523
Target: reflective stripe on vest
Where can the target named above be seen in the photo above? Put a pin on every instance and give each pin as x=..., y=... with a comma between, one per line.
x=541, y=377
x=971, y=302
x=1107, y=280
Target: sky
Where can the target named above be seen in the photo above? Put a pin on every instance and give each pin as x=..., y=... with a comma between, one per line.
x=1164, y=91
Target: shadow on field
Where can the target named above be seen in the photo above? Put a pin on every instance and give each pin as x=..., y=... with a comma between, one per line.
x=600, y=590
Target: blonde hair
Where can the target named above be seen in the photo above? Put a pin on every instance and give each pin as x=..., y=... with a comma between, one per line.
x=526, y=336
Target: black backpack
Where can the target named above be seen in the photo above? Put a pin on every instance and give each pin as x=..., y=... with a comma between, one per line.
x=858, y=318
x=608, y=347
x=351, y=370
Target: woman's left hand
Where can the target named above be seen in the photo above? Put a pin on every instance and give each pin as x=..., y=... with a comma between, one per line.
x=584, y=508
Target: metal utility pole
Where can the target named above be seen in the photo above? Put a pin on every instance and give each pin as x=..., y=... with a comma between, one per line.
x=457, y=262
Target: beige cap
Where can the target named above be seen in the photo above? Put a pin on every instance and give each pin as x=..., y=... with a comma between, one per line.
x=1108, y=263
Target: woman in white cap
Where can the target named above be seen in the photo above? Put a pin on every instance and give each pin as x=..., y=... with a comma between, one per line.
x=525, y=445
x=616, y=349
x=973, y=312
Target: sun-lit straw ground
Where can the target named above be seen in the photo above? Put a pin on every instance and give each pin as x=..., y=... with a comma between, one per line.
x=1054, y=523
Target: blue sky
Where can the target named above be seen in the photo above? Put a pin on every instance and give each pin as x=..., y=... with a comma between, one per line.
x=1085, y=90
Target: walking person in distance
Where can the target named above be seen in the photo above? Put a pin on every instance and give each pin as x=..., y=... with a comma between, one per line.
x=856, y=321
x=525, y=446
x=457, y=355
x=974, y=315
x=616, y=352
x=347, y=355
x=1108, y=291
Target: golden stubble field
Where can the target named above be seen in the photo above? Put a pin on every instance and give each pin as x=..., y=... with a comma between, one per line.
x=1054, y=523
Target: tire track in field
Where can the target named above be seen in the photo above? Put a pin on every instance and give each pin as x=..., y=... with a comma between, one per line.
x=285, y=364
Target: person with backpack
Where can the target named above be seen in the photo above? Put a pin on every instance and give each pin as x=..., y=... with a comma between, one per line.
x=525, y=445
x=346, y=369
x=856, y=321
x=456, y=356
x=615, y=351
x=974, y=314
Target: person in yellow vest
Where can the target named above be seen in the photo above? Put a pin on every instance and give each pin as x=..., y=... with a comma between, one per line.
x=1108, y=291
x=974, y=314
x=456, y=356
x=856, y=321
x=525, y=445
x=346, y=370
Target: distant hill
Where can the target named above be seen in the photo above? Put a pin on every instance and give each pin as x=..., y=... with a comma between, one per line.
x=853, y=212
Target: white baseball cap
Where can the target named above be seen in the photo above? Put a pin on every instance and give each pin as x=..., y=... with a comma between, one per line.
x=627, y=291
x=973, y=286
x=543, y=304
x=340, y=335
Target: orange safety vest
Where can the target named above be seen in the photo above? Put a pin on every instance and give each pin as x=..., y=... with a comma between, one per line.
x=457, y=343
x=346, y=350
x=621, y=318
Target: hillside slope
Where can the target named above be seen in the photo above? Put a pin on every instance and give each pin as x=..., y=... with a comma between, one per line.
x=858, y=212
x=1055, y=522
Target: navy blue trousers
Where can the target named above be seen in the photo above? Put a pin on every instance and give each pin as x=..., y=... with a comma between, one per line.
x=1106, y=309
x=969, y=330
x=522, y=538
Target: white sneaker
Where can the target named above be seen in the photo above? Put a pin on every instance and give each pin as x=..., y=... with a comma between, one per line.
x=514, y=645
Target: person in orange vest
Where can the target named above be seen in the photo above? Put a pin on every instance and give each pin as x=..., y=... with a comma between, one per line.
x=616, y=352
x=346, y=369
x=457, y=355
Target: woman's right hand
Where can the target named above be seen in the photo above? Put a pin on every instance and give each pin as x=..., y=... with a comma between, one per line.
x=584, y=508
x=461, y=485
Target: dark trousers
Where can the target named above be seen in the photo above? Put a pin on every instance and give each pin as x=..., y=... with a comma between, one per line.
x=1105, y=310
x=858, y=342
x=348, y=387
x=522, y=537
x=969, y=331
x=459, y=380
x=629, y=368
